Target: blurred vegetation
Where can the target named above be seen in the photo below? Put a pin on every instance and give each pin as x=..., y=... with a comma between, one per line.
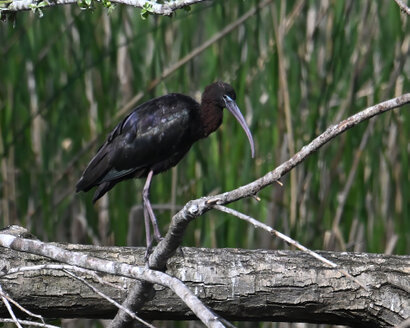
x=66, y=76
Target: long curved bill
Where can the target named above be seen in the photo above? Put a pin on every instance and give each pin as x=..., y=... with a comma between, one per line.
x=234, y=109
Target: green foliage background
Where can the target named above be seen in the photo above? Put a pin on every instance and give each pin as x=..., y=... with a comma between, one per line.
x=65, y=77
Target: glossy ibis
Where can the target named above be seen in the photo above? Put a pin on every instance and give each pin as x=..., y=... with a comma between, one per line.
x=154, y=137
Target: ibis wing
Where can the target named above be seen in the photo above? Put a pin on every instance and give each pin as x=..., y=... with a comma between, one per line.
x=99, y=166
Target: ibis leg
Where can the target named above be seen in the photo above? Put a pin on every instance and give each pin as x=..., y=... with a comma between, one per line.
x=147, y=231
x=148, y=208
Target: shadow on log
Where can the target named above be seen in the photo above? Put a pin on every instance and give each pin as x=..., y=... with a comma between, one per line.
x=251, y=285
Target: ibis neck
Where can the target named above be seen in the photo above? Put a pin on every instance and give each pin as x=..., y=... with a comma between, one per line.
x=211, y=117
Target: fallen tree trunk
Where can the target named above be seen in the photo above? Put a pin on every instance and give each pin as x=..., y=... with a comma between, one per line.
x=259, y=285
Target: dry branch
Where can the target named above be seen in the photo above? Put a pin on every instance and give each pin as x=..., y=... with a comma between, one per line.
x=166, y=8
x=240, y=284
x=198, y=207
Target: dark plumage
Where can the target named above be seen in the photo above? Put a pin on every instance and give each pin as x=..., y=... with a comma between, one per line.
x=155, y=136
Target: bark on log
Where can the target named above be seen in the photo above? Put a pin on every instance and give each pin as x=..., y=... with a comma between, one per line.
x=259, y=285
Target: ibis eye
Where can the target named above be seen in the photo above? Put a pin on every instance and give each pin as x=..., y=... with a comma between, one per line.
x=227, y=98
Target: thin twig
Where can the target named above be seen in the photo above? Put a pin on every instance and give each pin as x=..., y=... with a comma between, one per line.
x=9, y=309
x=23, y=309
x=258, y=224
x=29, y=323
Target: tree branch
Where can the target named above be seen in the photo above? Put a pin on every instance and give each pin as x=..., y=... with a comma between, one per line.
x=166, y=9
x=198, y=207
x=240, y=284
